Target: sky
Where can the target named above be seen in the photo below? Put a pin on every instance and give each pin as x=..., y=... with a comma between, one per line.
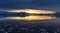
x=53, y=5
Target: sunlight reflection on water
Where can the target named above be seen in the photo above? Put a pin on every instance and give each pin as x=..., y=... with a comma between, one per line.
x=30, y=18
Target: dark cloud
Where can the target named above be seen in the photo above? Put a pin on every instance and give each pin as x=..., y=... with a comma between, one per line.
x=38, y=4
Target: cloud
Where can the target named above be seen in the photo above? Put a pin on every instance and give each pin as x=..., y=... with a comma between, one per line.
x=38, y=4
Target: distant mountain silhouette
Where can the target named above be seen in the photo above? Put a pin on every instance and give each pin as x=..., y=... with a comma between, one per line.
x=7, y=14
x=23, y=14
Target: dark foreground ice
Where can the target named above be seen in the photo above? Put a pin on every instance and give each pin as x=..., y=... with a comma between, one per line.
x=21, y=26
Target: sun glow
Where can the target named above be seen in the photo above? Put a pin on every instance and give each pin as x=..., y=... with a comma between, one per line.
x=32, y=16
x=33, y=11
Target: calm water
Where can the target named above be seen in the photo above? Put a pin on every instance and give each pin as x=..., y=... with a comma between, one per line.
x=45, y=25
x=30, y=24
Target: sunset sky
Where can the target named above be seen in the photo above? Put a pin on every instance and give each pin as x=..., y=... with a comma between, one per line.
x=34, y=4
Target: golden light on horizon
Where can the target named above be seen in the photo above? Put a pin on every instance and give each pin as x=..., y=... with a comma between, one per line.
x=33, y=11
x=30, y=18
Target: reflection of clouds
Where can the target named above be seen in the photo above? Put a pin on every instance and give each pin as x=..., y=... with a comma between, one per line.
x=30, y=18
